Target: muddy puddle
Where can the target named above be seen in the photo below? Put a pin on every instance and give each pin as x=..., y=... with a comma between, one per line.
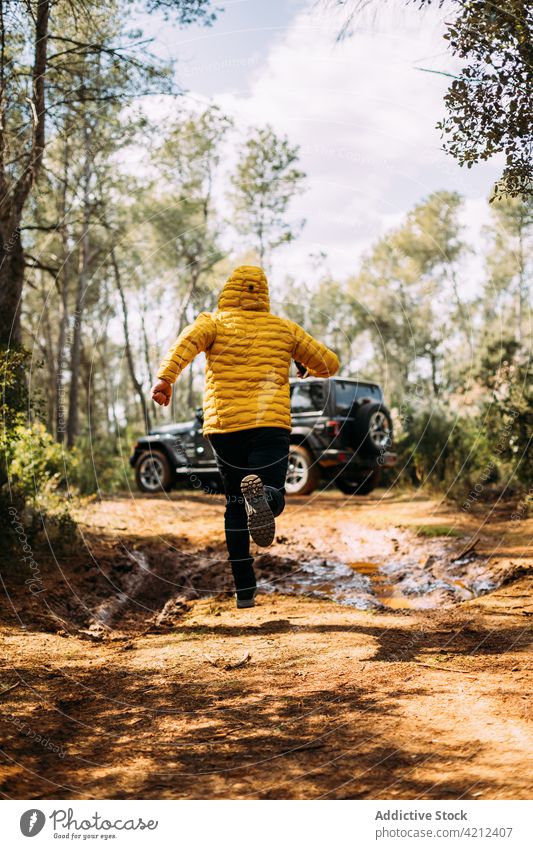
x=148, y=593
x=141, y=583
x=397, y=584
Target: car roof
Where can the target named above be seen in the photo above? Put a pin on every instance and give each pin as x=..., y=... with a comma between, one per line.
x=344, y=380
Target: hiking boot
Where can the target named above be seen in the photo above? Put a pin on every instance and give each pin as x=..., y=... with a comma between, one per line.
x=261, y=522
x=245, y=602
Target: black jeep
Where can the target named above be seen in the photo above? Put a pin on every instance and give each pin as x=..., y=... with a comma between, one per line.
x=341, y=432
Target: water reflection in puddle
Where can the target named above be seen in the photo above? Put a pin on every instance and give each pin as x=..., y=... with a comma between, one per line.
x=388, y=594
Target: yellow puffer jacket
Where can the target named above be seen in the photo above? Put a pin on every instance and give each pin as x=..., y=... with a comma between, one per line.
x=248, y=354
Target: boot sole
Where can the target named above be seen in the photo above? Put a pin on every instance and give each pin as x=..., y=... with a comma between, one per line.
x=261, y=522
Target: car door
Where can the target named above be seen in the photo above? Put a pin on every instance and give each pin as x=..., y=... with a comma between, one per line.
x=309, y=402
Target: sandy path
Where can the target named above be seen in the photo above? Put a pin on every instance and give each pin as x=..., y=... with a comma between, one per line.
x=298, y=698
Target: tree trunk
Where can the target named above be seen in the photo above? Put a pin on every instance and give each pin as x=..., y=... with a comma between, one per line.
x=109, y=394
x=83, y=280
x=87, y=374
x=146, y=350
x=13, y=197
x=435, y=385
x=522, y=287
x=461, y=312
x=11, y=283
x=129, y=353
x=50, y=358
x=185, y=301
x=75, y=351
x=63, y=284
x=61, y=363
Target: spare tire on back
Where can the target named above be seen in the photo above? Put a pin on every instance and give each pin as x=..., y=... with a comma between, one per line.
x=372, y=428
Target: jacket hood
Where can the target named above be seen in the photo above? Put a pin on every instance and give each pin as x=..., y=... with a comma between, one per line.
x=246, y=289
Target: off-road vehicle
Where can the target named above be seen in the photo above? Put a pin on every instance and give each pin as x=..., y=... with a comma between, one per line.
x=341, y=433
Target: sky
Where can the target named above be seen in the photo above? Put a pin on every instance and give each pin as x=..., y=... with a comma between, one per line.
x=362, y=111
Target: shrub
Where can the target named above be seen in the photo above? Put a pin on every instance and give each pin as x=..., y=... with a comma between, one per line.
x=507, y=373
x=446, y=452
x=37, y=464
x=96, y=467
x=14, y=401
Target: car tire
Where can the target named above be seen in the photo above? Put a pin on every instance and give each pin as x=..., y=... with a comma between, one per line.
x=303, y=474
x=372, y=429
x=153, y=472
x=360, y=486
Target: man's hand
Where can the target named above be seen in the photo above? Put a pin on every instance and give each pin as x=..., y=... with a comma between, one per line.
x=162, y=392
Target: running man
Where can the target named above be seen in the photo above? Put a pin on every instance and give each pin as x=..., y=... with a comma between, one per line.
x=246, y=407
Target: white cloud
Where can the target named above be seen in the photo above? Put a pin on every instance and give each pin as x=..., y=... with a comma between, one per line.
x=365, y=119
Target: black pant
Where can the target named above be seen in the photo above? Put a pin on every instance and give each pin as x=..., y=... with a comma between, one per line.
x=260, y=450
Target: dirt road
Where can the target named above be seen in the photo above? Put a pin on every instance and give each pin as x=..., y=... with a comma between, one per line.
x=389, y=656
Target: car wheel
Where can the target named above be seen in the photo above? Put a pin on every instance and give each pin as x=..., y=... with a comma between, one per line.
x=363, y=485
x=303, y=474
x=153, y=472
x=372, y=429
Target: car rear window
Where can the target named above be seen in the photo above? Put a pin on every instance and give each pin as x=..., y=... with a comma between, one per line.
x=308, y=397
x=347, y=392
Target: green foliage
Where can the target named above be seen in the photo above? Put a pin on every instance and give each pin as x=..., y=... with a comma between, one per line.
x=466, y=455
x=39, y=474
x=400, y=319
x=489, y=106
x=39, y=467
x=509, y=266
x=507, y=415
x=406, y=295
x=97, y=467
x=33, y=464
x=37, y=463
x=329, y=310
x=185, y=12
x=266, y=180
x=191, y=151
x=183, y=223
x=13, y=364
x=443, y=451
x=435, y=531
x=489, y=103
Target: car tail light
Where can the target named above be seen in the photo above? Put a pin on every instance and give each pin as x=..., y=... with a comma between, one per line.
x=333, y=427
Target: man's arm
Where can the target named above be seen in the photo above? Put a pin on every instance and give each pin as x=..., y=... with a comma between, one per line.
x=319, y=360
x=195, y=338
